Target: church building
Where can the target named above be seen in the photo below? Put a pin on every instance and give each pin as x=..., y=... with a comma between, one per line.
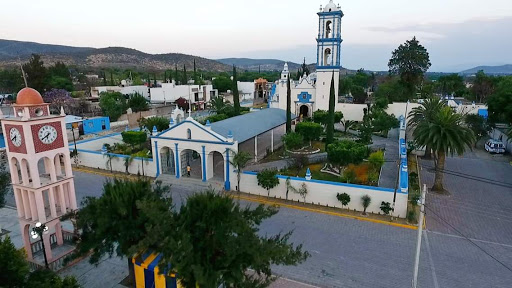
x=311, y=92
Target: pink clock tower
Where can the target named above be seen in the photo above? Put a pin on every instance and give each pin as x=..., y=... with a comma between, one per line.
x=40, y=167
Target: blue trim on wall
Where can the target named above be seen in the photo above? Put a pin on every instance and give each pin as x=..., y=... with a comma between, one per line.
x=227, y=184
x=339, y=13
x=204, y=164
x=188, y=121
x=157, y=160
x=332, y=183
x=177, y=164
x=192, y=140
x=329, y=40
x=328, y=67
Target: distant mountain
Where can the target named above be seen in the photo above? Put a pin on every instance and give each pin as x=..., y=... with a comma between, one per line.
x=499, y=70
x=118, y=57
x=263, y=64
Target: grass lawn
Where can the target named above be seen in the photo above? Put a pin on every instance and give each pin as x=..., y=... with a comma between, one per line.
x=318, y=145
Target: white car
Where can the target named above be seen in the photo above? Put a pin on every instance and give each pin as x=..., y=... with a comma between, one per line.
x=494, y=146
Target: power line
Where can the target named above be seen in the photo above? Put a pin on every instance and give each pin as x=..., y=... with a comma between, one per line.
x=464, y=236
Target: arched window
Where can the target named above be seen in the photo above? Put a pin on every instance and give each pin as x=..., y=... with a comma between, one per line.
x=327, y=57
x=328, y=29
x=189, y=134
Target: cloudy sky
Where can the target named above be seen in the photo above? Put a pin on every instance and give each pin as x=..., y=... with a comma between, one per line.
x=459, y=34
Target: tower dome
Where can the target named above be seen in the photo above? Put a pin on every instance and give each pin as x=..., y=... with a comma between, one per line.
x=330, y=7
x=29, y=96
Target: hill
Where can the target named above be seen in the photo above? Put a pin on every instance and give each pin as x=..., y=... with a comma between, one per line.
x=118, y=57
x=498, y=70
x=263, y=64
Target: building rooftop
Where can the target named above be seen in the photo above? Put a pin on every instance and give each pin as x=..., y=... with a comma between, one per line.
x=249, y=125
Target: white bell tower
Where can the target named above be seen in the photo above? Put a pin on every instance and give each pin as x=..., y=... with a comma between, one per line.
x=328, y=53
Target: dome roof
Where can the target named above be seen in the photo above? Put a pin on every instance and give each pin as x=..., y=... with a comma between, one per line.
x=29, y=96
x=330, y=7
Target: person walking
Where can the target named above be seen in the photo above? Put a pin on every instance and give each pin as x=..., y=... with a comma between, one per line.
x=188, y=170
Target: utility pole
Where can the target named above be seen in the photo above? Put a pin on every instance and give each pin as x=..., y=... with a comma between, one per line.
x=418, y=244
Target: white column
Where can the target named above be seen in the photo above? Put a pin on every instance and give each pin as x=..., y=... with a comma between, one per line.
x=272, y=140
x=256, y=148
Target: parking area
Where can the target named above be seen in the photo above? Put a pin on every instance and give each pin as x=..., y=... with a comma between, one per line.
x=480, y=202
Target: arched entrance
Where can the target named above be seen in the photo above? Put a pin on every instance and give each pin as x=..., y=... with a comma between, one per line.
x=304, y=111
x=216, y=165
x=167, y=160
x=191, y=158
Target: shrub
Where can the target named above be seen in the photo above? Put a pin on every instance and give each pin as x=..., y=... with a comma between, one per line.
x=411, y=216
x=217, y=117
x=415, y=198
x=309, y=130
x=361, y=172
x=161, y=123
x=376, y=160
x=386, y=207
x=344, y=198
x=293, y=140
x=268, y=179
x=134, y=138
x=113, y=104
x=345, y=152
x=365, y=201
x=349, y=175
x=373, y=178
x=138, y=103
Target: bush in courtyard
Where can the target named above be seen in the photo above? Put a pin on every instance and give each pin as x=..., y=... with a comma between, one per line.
x=344, y=198
x=309, y=130
x=365, y=201
x=349, y=175
x=161, y=123
x=376, y=160
x=134, y=138
x=267, y=179
x=293, y=140
x=346, y=152
x=361, y=172
x=217, y=117
x=385, y=207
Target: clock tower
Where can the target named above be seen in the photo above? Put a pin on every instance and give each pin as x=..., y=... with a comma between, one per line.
x=40, y=167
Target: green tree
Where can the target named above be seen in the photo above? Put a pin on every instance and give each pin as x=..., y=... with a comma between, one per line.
x=267, y=179
x=114, y=222
x=5, y=183
x=361, y=79
x=176, y=73
x=293, y=140
x=345, y=152
x=288, y=106
x=330, y=118
x=365, y=201
x=113, y=104
x=111, y=79
x=59, y=77
x=500, y=102
x=236, y=97
x=13, y=265
x=451, y=84
x=322, y=117
x=425, y=113
x=134, y=138
x=309, y=130
x=483, y=86
x=344, y=198
x=37, y=74
x=302, y=191
x=185, y=78
x=226, y=244
x=217, y=104
x=144, y=155
x=445, y=133
x=223, y=84
x=385, y=207
x=391, y=90
x=49, y=279
x=376, y=160
x=161, y=123
x=239, y=162
x=410, y=61
x=359, y=94
x=383, y=122
x=138, y=103
x=110, y=155
x=478, y=125
x=11, y=81
x=196, y=79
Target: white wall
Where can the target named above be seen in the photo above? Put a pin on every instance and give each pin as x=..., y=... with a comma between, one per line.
x=322, y=193
x=174, y=92
x=246, y=90
x=94, y=159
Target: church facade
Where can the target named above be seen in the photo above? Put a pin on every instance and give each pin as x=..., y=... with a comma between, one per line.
x=311, y=92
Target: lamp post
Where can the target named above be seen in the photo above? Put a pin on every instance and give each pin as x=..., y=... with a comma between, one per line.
x=37, y=232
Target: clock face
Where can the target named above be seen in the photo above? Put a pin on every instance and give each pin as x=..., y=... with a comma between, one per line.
x=47, y=134
x=15, y=136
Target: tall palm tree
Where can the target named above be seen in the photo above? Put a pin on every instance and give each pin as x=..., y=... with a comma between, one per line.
x=445, y=133
x=239, y=161
x=426, y=112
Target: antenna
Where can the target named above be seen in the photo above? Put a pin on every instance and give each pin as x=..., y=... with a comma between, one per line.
x=23, y=72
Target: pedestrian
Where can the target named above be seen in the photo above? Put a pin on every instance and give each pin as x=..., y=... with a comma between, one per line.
x=188, y=170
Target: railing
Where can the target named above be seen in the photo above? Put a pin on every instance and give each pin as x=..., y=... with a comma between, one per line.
x=38, y=245
x=58, y=263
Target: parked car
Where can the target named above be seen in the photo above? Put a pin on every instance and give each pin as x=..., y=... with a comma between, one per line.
x=494, y=146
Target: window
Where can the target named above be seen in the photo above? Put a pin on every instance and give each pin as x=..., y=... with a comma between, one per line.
x=327, y=57
x=189, y=134
x=328, y=28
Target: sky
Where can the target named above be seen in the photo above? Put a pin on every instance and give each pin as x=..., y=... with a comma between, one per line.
x=458, y=34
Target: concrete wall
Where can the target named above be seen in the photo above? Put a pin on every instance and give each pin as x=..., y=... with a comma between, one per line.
x=324, y=193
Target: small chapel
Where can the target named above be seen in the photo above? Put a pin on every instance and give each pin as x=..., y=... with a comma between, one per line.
x=311, y=92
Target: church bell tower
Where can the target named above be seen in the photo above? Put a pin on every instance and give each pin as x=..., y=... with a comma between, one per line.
x=328, y=61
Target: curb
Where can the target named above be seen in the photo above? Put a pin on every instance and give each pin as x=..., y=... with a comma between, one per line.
x=326, y=212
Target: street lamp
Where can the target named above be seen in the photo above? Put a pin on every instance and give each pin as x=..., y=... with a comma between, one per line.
x=37, y=232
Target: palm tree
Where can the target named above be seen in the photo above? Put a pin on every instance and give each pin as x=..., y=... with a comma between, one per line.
x=444, y=133
x=426, y=112
x=217, y=104
x=110, y=155
x=239, y=161
x=347, y=124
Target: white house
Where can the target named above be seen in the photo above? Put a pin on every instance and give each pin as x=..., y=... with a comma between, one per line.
x=170, y=92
